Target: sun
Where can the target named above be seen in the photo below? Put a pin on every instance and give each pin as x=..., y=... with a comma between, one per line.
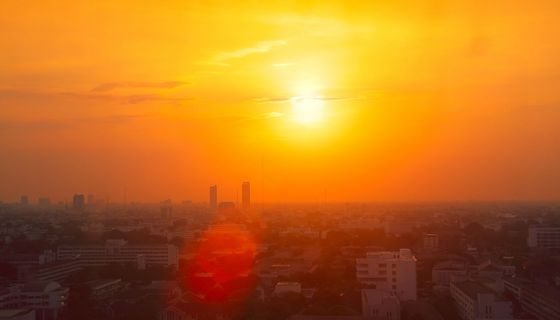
x=308, y=110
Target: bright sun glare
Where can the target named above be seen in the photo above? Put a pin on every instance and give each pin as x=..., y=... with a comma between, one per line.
x=308, y=110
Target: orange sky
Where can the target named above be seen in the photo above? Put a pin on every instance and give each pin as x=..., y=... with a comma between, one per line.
x=437, y=100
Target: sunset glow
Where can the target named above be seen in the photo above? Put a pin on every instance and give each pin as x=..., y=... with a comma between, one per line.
x=372, y=101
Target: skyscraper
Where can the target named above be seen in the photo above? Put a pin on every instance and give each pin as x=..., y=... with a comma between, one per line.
x=246, y=195
x=24, y=200
x=214, y=196
x=79, y=201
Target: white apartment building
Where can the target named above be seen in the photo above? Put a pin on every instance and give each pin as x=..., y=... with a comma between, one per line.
x=477, y=302
x=118, y=251
x=394, y=272
x=46, y=298
x=541, y=301
x=380, y=305
x=543, y=237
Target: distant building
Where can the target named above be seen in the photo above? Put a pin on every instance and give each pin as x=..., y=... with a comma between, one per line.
x=446, y=272
x=90, y=200
x=226, y=207
x=246, y=195
x=24, y=200
x=56, y=271
x=394, y=272
x=431, y=242
x=104, y=288
x=282, y=288
x=213, y=196
x=380, y=305
x=475, y=301
x=118, y=251
x=43, y=202
x=46, y=298
x=543, y=237
x=166, y=211
x=539, y=300
x=17, y=314
x=78, y=201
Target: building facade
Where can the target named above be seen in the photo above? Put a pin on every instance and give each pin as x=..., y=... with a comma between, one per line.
x=394, y=272
x=539, y=300
x=543, y=237
x=213, y=197
x=118, y=251
x=476, y=302
x=245, y=195
x=46, y=298
x=380, y=305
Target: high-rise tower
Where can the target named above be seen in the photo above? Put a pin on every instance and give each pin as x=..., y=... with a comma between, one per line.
x=214, y=196
x=246, y=195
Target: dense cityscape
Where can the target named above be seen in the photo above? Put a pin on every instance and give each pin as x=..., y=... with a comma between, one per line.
x=279, y=160
x=91, y=259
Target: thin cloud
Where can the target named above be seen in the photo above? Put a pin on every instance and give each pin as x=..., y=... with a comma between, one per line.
x=58, y=124
x=288, y=99
x=259, y=47
x=128, y=99
x=105, y=87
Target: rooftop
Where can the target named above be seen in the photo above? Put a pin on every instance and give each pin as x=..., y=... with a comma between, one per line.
x=472, y=289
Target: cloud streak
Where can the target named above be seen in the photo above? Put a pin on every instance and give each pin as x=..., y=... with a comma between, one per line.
x=110, y=86
x=259, y=47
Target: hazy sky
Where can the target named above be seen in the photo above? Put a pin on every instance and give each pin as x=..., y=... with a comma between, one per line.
x=437, y=100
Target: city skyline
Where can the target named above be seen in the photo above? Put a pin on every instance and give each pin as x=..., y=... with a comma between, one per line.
x=348, y=101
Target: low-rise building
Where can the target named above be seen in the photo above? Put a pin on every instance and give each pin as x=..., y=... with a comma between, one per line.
x=539, y=300
x=389, y=271
x=119, y=251
x=380, y=305
x=475, y=301
x=282, y=288
x=445, y=272
x=543, y=237
x=46, y=298
x=17, y=314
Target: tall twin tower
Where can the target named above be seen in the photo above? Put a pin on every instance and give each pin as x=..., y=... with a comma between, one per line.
x=245, y=195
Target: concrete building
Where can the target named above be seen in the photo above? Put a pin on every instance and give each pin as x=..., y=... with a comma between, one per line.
x=17, y=314
x=104, y=288
x=24, y=200
x=58, y=271
x=380, y=305
x=78, y=201
x=394, y=272
x=543, y=237
x=475, y=301
x=45, y=298
x=119, y=251
x=445, y=272
x=539, y=300
x=285, y=287
x=245, y=195
x=213, y=197
x=430, y=241
x=44, y=202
